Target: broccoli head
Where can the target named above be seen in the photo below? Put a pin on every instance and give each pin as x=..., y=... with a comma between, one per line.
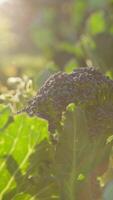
x=85, y=87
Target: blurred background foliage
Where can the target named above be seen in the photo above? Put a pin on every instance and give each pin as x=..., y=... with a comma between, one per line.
x=40, y=37
x=50, y=35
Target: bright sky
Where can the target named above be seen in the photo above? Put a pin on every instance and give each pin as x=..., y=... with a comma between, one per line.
x=3, y=1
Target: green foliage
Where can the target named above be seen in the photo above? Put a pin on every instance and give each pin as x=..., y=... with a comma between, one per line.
x=70, y=66
x=78, y=12
x=17, y=141
x=96, y=23
x=31, y=167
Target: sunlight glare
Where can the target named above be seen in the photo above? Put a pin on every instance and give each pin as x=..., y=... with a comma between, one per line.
x=3, y=1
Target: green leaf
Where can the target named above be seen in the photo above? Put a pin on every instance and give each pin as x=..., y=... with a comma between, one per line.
x=80, y=177
x=77, y=155
x=109, y=74
x=70, y=66
x=22, y=197
x=78, y=12
x=96, y=23
x=4, y=115
x=17, y=143
x=109, y=139
x=71, y=107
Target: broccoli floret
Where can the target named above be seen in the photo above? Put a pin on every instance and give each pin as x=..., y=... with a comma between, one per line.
x=85, y=86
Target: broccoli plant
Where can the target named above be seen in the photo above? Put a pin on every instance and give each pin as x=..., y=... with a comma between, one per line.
x=79, y=111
